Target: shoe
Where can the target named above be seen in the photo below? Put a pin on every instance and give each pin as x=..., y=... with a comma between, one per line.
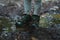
x=25, y=20
x=35, y=21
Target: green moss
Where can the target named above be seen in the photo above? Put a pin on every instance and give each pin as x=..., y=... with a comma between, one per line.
x=57, y=16
x=5, y=22
x=56, y=19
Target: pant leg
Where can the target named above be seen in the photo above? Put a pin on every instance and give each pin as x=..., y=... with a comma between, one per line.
x=27, y=6
x=37, y=7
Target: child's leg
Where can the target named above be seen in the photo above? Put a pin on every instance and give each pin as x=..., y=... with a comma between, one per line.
x=27, y=6
x=37, y=7
x=35, y=16
x=26, y=17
